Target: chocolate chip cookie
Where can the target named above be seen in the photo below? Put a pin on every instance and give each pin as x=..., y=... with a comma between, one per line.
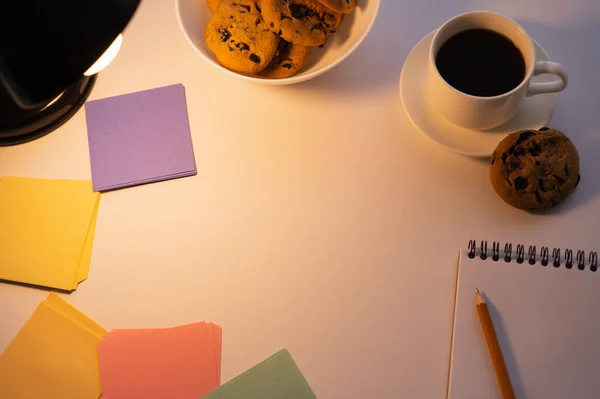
x=303, y=22
x=213, y=5
x=288, y=60
x=535, y=170
x=240, y=38
x=248, y=5
x=341, y=6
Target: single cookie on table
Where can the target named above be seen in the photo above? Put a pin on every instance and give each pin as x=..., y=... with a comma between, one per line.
x=288, y=60
x=249, y=5
x=240, y=38
x=534, y=170
x=303, y=22
x=341, y=6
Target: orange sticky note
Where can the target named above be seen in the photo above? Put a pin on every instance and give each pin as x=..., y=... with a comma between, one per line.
x=171, y=363
x=217, y=333
x=218, y=340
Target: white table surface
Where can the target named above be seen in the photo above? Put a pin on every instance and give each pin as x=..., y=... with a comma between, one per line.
x=320, y=220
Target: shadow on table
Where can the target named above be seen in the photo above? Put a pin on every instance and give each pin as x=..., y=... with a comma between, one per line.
x=37, y=287
x=507, y=352
x=576, y=114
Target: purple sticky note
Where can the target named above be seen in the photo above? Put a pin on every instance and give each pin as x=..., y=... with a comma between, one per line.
x=139, y=138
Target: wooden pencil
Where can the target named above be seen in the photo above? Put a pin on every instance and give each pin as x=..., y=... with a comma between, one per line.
x=494, y=347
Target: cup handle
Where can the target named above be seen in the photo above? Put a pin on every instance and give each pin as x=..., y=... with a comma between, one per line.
x=553, y=68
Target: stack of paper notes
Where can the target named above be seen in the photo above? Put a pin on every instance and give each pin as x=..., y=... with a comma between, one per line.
x=53, y=356
x=278, y=377
x=139, y=138
x=46, y=231
x=173, y=363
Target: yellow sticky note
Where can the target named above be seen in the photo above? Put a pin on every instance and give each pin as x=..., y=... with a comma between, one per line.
x=52, y=357
x=69, y=311
x=46, y=231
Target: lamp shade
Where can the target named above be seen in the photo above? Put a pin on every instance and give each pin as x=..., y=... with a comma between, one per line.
x=46, y=46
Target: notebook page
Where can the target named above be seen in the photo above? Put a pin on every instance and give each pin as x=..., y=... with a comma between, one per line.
x=548, y=323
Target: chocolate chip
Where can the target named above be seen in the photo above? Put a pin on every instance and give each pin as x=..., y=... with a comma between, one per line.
x=537, y=197
x=255, y=58
x=504, y=156
x=566, y=170
x=541, y=185
x=287, y=66
x=225, y=35
x=257, y=7
x=279, y=33
x=272, y=25
x=543, y=129
x=258, y=20
x=524, y=136
x=553, y=141
x=521, y=183
x=242, y=47
x=513, y=165
x=559, y=179
x=537, y=163
x=299, y=11
x=578, y=179
x=535, y=149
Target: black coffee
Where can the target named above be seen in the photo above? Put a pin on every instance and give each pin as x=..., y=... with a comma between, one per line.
x=481, y=63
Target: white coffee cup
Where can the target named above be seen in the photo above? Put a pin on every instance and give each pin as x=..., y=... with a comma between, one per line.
x=482, y=113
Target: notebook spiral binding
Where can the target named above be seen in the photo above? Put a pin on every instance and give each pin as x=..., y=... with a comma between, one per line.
x=532, y=258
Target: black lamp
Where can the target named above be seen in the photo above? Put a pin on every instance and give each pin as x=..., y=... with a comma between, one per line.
x=50, y=52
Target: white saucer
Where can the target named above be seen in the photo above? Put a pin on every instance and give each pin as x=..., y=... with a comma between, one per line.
x=536, y=112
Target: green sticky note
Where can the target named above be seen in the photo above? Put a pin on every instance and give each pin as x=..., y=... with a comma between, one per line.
x=278, y=377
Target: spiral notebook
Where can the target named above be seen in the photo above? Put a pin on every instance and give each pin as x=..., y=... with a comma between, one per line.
x=545, y=306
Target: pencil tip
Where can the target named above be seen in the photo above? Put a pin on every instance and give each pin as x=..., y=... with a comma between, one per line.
x=478, y=296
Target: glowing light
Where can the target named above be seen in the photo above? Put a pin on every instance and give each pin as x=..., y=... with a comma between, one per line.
x=53, y=101
x=106, y=58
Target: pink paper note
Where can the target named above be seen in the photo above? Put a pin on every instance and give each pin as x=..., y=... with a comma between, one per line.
x=173, y=363
x=218, y=341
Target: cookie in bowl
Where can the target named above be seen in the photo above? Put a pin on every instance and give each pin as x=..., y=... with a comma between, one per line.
x=341, y=6
x=304, y=22
x=288, y=60
x=249, y=5
x=240, y=38
x=535, y=169
x=343, y=37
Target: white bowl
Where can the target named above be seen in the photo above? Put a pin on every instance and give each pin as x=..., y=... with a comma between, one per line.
x=193, y=16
